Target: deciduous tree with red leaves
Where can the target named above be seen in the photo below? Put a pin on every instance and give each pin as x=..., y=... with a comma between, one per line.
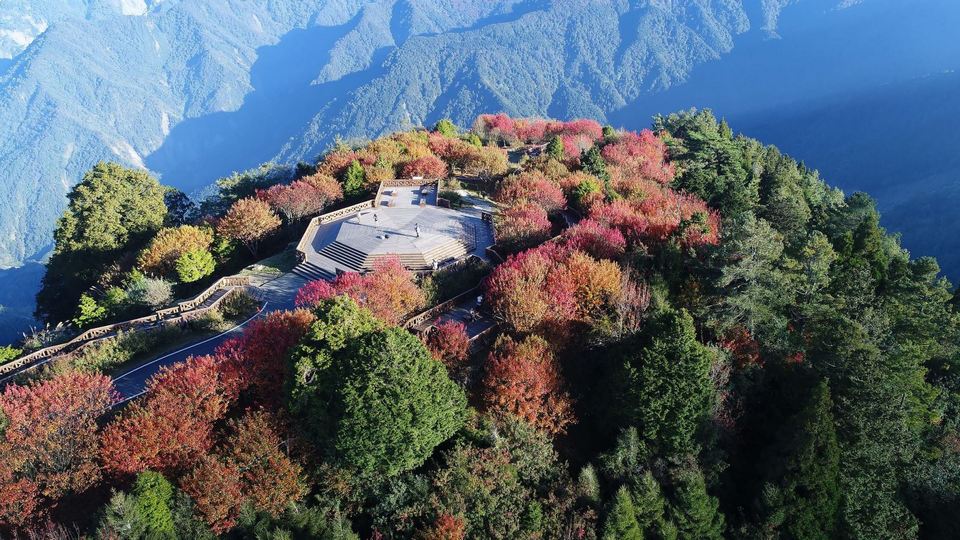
x=445, y=527
x=643, y=153
x=49, y=442
x=216, y=489
x=391, y=292
x=596, y=239
x=522, y=225
x=327, y=187
x=388, y=291
x=449, y=343
x=171, y=427
x=301, y=198
x=742, y=346
x=257, y=359
x=531, y=187
x=546, y=288
x=336, y=162
x=313, y=293
x=428, y=167
x=518, y=291
x=522, y=379
x=662, y=215
x=248, y=221
x=271, y=481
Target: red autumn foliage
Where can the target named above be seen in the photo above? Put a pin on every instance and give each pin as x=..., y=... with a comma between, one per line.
x=248, y=221
x=335, y=163
x=19, y=496
x=596, y=239
x=469, y=159
x=449, y=343
x=172, y=426
x=216, y=491
x=502, y=128
x=444, y=147
x=271, y=481
x=313, y=293
x=446, y=527
x=623, y=216
x=522, y=379
x=533, y=187
x=327, y=185
x=742, y=346
x=796, y=357
x=550, y=286
x=49, y=444
x=426, y=166
x=643, y=153
x=518, y=290
x=522, y=225
x=249, y=468
x=659, y=216
x=302, y=198
x=388, y=291
x=574, y=145
x=257, y=359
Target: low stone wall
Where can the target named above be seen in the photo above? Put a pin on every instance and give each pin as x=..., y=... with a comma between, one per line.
x=315, y=223
x=409, y=182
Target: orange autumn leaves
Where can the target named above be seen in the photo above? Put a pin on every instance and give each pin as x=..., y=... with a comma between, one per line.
x=208, y=424
x=523, y=380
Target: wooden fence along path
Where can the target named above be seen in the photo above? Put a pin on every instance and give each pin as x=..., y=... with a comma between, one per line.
x=188, y=309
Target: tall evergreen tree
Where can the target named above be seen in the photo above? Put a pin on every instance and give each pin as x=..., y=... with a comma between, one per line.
x=354, y=179
x=650, y=507
x=668, y=387
x=803, y=495
x=555, y=148
x=693, y=511
x=372, y=397
x=621, y=523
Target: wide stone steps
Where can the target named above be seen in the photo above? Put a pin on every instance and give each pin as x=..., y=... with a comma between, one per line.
x=312, y=272
x=344, y=255
x=419, y=262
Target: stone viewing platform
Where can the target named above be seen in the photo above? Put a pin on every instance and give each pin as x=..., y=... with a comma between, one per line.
x=403, y=220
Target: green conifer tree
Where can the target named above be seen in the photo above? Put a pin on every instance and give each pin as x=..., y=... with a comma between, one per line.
x=354, y=179
x=621, y=523
x=693, y=511
x=555, y=148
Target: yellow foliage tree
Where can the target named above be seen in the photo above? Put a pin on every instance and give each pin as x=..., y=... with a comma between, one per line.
x=160, y=257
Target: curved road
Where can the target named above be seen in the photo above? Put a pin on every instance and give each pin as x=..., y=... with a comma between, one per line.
x=278, y=294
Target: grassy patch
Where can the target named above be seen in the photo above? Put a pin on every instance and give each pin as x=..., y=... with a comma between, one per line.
x=278, y=264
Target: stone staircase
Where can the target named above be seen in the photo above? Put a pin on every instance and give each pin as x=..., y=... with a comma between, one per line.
x=345, y=255
x=312, y=272
x=454, y=249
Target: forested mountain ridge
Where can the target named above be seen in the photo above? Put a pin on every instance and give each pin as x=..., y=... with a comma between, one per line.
x=724, y=346
x=194, y=90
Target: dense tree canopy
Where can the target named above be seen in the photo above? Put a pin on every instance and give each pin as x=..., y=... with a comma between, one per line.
x=373, y=396
x=715, y=344
x=113, y=209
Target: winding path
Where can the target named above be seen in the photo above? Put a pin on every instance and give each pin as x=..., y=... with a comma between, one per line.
x=278, y=294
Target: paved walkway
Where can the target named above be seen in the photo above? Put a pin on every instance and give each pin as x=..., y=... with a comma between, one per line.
x=277, y=294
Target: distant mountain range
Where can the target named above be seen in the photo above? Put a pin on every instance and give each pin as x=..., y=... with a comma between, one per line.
x=194, y=90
